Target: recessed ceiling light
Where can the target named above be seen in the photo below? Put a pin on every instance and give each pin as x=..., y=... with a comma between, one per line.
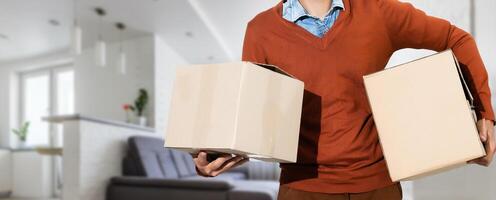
x=100, y=11
x=189, y=34
x=3, y=36
x=54, y=22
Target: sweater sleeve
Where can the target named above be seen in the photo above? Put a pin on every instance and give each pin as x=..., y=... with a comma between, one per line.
x=252, y=48
x=409, y=27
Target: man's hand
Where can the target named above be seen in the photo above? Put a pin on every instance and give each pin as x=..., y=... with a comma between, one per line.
x=219, y=165
x=486, y=133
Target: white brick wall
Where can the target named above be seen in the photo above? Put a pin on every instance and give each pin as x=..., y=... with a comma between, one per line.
x=166, y=61
x=93, y=154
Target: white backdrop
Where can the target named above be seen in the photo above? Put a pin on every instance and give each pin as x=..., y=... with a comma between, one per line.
x=457, y=12
x=471, y=182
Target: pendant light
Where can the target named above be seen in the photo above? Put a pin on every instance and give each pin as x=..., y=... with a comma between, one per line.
x=77, y=33
x=122, y=55
x=100, y=45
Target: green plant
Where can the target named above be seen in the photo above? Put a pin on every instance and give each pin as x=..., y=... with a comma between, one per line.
x=141, y=101
x=22, y=132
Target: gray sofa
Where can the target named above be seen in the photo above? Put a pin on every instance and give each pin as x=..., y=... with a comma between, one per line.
x=153, y=172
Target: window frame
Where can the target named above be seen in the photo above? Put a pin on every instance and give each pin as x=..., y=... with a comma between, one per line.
x=51, y=72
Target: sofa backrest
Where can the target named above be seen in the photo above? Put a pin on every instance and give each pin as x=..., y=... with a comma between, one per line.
x=154, y=161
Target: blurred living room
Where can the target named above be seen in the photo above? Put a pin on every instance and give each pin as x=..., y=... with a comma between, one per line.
x=86, y=88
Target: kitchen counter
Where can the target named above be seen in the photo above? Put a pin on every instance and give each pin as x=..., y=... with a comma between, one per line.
x=73, y=117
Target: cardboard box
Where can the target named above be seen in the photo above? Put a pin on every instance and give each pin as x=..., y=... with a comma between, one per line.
x=238, y=108
x=423, y=116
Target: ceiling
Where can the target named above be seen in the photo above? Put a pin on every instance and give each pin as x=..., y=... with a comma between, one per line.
x=201, y=31
x=196, y=29
x=26, y=30
x=229, y=18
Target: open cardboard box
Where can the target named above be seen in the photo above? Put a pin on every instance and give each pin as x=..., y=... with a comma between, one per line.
x=237, y=108
x=423, y=113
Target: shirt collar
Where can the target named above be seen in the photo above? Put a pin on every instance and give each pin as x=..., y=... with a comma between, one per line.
x=293, y=10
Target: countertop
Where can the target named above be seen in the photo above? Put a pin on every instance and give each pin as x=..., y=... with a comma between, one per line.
x=73, y=117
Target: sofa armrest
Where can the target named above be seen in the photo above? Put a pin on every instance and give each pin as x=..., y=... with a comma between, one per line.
x=203, y=184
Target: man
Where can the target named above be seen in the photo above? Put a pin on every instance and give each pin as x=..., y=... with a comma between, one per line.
x=330, y=45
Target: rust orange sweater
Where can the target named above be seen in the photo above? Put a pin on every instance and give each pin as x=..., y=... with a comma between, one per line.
x=339, y=150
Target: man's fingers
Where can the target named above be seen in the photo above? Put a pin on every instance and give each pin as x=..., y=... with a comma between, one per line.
x=481, y=125
x=487, y=136
x=490, y=137
x=201, y=159
x=218, y=163
x=243, y=161
x=483, y=162
x=480, y=161
x=490, y=148
x=228, y=165
x=490, y=142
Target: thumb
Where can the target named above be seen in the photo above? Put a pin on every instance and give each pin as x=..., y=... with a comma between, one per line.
x=201, y=159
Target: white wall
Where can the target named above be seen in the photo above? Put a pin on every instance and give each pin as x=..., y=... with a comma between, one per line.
x=485, y=34
x=9, y=86
x=31, y=175
x=166, y=61
x=5, y=79
x=5, y=172
x=101, y=91
x=458, y=14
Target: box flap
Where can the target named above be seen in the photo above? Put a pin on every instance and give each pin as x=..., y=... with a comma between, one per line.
x=273, y=68
x=466, y=89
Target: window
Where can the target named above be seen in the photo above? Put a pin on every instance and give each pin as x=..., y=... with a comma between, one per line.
x=43, y=93
x=36, y=104
x=65, y=91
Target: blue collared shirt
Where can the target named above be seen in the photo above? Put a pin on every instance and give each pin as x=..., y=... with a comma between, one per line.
x=293, y=11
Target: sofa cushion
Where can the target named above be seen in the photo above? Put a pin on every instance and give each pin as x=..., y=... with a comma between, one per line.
x=153, y=160
x=189, y=162
x=184, y=163
x=168, y=169
x=151, y=166
x=232, y=175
